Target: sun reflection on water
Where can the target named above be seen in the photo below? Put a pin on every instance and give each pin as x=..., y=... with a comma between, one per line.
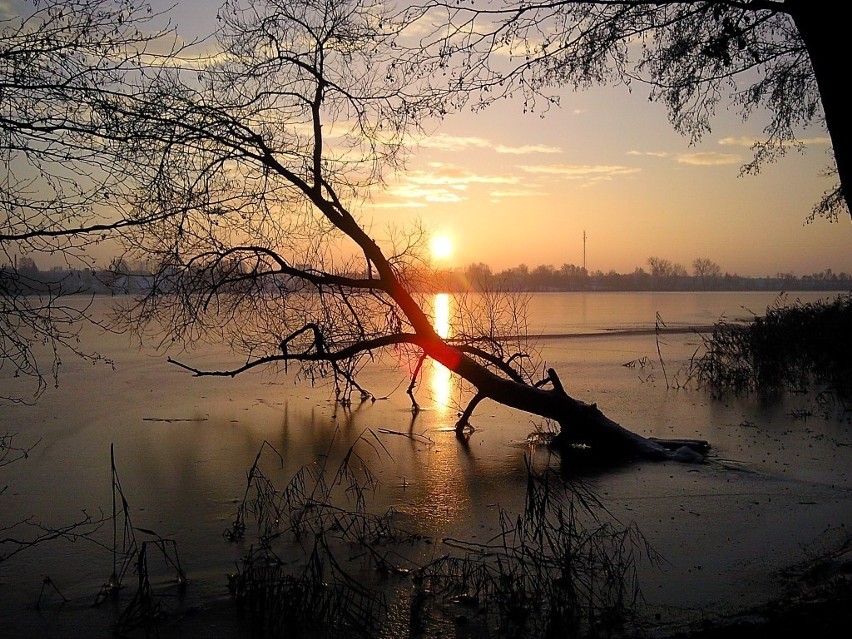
x=440, y=378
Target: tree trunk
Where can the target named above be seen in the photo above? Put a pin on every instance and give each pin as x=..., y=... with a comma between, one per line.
x=581, y=425
x=824, y=29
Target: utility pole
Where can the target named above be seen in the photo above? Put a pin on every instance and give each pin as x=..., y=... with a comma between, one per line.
x=584, y=250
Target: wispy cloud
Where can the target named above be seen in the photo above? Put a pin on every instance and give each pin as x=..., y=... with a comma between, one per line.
x=713, y=158
x=815, y=141
x=438, y=183
x=653, y=154
x=397, y=204
x=439, y=173
x=515, y=193
x=749, y=142
x=739, y=141
x=527, y=149
x=415, y=193
x=709, y=158
x=446, y=142
x=580, y=171
x=7, y=11
x=454, y=143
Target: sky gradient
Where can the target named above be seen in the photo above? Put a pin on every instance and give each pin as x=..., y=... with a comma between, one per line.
x=511, y=188
x=515, y=188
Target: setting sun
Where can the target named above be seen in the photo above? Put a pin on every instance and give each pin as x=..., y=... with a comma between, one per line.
x=442, y=247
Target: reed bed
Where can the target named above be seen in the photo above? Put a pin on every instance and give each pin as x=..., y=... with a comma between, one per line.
x=793, y=347
x=561, y=567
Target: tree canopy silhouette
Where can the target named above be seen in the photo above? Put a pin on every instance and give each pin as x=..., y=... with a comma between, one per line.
x=64, y=68
x=269, y=149
x=106, y=127
x=776, y=57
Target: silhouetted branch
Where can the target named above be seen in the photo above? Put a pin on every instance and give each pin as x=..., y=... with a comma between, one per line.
x=269, y=196
x=464, y=418
x=70, y=68
x=10, y=453
x=770, y=59
x=29, y=532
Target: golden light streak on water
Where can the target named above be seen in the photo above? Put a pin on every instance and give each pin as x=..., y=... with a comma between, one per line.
x=441, y=306
x=440, y=377
x=444, y=495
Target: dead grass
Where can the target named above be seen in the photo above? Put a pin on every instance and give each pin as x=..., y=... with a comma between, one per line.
x=790, y=348
x=560, y=566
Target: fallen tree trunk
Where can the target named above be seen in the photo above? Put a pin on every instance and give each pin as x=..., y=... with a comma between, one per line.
x=253, y=249
x=581, y=425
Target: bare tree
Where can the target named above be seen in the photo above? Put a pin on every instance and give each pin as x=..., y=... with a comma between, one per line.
x=775, y=57
x=65, y=67
x=663, y=268
x=705, y=269
x=271, y=149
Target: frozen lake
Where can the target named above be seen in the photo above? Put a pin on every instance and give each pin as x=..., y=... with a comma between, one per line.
x=776, y=489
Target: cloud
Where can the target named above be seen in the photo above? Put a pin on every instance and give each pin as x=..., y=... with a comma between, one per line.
x=581, y=171
x=815, y=141
x=439, y=183
x=455, y=177
x=709, y=158
x=515, y=193
x=739, y=141
x=750, y=142
x=396, y=204
x=7, y=11
x=418, y=194
x=712, y=158
x=529, y=148
x=445, y=142
x=653, y=154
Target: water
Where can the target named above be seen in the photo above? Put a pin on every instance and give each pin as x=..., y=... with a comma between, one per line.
x=183, y=447
x=582, y=313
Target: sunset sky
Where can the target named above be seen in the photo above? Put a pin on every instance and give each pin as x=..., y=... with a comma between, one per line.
x=511, y=188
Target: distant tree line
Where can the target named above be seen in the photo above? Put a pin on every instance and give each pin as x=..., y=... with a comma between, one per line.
x=661, y=275
x=25, y=277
